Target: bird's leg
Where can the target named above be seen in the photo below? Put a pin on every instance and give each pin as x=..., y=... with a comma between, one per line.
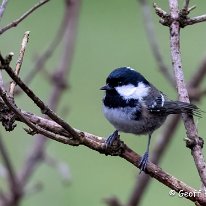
x=114, y=136
x=145, y=157
x=113, y=145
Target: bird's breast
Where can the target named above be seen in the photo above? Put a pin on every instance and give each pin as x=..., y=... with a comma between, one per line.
x=132, y=120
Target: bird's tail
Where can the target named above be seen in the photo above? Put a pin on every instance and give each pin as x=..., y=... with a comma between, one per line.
x=177, y=107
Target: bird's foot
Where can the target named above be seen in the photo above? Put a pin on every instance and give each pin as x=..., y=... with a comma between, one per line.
x=112, y=138
x=143, y=162
x=113, y=144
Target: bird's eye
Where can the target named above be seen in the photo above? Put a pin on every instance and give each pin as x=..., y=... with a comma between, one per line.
x=120, y=83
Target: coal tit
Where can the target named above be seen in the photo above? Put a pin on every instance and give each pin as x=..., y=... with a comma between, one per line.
x=133, y=105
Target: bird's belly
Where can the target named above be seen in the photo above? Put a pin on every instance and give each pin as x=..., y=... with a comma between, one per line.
x=123, y=120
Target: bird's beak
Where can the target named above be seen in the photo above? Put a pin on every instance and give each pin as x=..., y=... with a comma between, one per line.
x=106, y=87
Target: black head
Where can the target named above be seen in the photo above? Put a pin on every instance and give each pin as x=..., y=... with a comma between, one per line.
x=123, y=76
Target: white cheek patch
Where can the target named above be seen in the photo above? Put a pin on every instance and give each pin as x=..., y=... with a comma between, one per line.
x=132, y=92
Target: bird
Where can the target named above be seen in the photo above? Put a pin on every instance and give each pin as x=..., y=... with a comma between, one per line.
x=133, y=105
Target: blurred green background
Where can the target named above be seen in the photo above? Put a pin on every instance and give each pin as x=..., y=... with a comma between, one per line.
x=110, y=34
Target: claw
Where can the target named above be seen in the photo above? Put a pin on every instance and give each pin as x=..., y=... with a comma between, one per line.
x=109, y=141
x=143, y=162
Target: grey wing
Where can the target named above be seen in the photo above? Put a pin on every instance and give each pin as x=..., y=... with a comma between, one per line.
x=163, y=106
x=157, y=105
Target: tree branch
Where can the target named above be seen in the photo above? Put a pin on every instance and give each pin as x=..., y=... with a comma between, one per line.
x=186, y=5
x=150, y=31
x=183, y=19
x=26, y=14
x=12, y=178
x=195, y=20
x=42, y=58
x=19, y=61
x=2, y=8
x=35, y=127
x=44, y=109
x=194, y=142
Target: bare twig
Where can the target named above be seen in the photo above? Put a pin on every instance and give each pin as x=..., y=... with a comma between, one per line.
x=150, y=31
x=34, y=127
x=195, y=20
x=2, y=8
x=59, y=76
x=26, y=14
x=45, y=109
x=12, y=179
x=159, y=11
x=186, y=5
x=194, y=142
x=183, y=19
x=19, y=61
x=42, y=58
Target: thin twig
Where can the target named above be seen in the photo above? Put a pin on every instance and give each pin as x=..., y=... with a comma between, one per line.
x=12, y=178
x=194, y=142
x=43, y=58
x=26, y=14
x=159, y=11
x=186, y=5
x=150, y=31
x=34, y=127
x=183, y=19
x=2, y=8
x=44, y=109
x=19, y=61
x=195, y=20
